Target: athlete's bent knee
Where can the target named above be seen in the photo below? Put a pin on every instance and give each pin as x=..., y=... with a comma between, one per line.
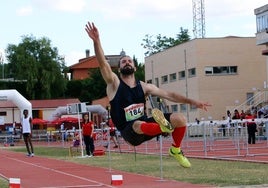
x=178, y=120
x=137, y=127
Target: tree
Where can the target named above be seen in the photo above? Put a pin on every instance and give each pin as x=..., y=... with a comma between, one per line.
x=88, y=89
x=73, y=89
x=140, y=73
x=163, y=42
x=39, y=65
x=96, y=83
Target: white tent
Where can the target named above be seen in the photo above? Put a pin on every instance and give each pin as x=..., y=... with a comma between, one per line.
x=22, y=103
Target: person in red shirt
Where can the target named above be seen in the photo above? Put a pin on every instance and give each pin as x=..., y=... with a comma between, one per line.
x=236, y=115
x=251, y=127
x=87, y=132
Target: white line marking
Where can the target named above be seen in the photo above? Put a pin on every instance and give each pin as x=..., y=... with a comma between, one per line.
x=78, y=186
x=60, y=172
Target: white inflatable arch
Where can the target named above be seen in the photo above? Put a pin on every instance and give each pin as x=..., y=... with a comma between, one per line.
x=14, y=96
x=62, y=110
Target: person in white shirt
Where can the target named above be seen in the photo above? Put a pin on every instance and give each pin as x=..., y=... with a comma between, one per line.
x=26, y=123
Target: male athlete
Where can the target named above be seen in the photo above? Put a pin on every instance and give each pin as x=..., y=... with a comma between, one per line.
x=127, y=98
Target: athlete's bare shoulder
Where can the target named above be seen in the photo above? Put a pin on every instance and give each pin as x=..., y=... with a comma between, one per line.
x=112, y=87
x=148, y=88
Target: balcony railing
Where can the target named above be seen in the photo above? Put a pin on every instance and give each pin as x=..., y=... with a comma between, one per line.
x=256, y=102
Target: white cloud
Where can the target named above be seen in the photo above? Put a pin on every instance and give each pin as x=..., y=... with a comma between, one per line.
x=232, y=8
x=70, y=5
x=61, y=5
x=24, y=11
x=140, y=9
x=168, y=5
x=231, y=17
x=170, y=9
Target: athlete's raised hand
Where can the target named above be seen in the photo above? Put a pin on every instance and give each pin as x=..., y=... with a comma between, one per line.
x=92, y=31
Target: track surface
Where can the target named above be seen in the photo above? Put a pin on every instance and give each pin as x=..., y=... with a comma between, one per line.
x=40, y=172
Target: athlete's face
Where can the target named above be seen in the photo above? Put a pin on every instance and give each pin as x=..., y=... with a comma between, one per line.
x=25, y=113
x=127, y=66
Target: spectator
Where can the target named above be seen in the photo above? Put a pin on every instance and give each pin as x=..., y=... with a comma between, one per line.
x=112, y=133
x=242, y=115
x=197, y=120
x=223, y=126
x=87, y=131
x=26, y=123
x=251, y=128
x=62, y=127
x=228, y=113
x=229, y=122
x=76, y=141
x=14, y=128
x=236, y=115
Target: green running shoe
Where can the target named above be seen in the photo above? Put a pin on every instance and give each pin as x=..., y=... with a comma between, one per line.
x=159, y=117
x=178, y=155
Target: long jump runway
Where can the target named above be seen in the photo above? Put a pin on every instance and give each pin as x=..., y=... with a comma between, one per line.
x=40, y=172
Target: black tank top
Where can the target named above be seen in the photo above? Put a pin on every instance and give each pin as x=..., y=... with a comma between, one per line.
x=128, y=104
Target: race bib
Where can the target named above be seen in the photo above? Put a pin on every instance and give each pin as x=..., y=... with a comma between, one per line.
x=134, y=111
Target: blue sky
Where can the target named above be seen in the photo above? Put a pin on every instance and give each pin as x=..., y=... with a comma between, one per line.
x=122, y=23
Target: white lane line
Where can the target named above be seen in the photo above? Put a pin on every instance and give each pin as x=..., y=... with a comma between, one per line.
x=64, y=173
x=75, y=186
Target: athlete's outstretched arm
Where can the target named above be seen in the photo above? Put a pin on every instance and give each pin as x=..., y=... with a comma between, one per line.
x=105, y=68
x=173, y=96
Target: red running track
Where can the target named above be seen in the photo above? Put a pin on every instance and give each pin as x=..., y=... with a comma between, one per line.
x=40, y=172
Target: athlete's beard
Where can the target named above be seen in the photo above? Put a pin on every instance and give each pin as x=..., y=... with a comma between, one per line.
x=127, y=70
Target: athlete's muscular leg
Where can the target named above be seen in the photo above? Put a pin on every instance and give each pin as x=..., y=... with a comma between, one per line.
x=147, y=128
x=178, y=120
x=179, y=123
x=142, y=127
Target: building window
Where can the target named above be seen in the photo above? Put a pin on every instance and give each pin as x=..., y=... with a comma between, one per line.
x=183, y=107
x=181, y=75
x=193, y=108
x=173, y=77
x=149, y=81
x=233, y=70
x=262, y=22
x=164, y=79
x=191, y=73
x=221, y=70
x=174, y=108
x=208, y=70
x=156, y=82
x=3, y=113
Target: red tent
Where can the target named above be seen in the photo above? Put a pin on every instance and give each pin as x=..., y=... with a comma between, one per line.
x=39, y=121
x=65, y=120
